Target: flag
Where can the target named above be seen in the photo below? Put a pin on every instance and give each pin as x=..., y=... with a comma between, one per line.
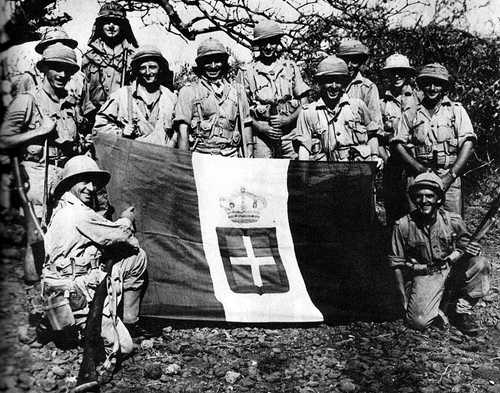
x=252, y=240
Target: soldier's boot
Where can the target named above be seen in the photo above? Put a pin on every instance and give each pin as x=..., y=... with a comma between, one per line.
x=466, y=323
x=131, y=306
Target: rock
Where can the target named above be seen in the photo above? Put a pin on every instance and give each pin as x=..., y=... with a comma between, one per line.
x=26, y=334
x=172, y=369
x=152, y=370
x=147, y=344
x=488, y=373
x=49, y=385
x=59, y=371
x=346, y=386
x=231, y=377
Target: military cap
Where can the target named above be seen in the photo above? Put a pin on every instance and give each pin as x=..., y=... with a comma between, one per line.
x=267, y=29
x=211, y=47
x=78, y=166
x=427, y=180
x=350, y=47
x=51, y=36
x=112, y=10
x=59, y=53
x=399, y=62
x=435, y=71
x=332, y=66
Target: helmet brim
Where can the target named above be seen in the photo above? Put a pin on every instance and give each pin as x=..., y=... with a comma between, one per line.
x=444, y=80
x=74, y=66
x=100, y=177
x=265, y=37
x=428, y=186
x=409, y=70
x=42, y=45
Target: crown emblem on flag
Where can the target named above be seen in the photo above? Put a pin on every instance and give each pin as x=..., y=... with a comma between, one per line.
x=243, y=207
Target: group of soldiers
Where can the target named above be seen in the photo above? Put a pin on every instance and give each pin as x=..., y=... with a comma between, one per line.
x=414, y=133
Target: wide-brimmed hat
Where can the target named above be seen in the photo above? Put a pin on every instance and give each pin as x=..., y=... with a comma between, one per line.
x=211, y=47
x=434, y=71
x=51, y=36
x=59, y=53
x=427, y=180
x=332, y=66
x=351, y=47
x=77, y=167
x=398, y=62
x=267, y=29
x=148, y=52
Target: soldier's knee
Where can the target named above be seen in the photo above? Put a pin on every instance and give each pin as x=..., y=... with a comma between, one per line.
x=478, y=265
x=418, y=321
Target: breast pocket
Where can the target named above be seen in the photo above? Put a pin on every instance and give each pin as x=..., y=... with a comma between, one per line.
x=418, y=250
x=358, y=131
x=444, y=130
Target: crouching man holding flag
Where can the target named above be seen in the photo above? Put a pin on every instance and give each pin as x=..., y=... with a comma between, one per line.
x=78, y=243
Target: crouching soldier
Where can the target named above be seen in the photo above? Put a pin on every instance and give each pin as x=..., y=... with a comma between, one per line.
x=211, y=112
x=144, y=110
x=334, y=128
x=421, y=242
x=77, y=242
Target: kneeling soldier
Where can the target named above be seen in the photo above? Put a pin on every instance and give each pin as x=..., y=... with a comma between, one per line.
x=421, y=242
x=334, y=127
x=76, y=240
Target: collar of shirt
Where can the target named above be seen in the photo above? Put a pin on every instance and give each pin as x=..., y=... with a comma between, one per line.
x=101, y=48
x=66, y=101
x=445, y=101
x=221, y=96
x=137, y=94
x=270, y=70
x=333, y=112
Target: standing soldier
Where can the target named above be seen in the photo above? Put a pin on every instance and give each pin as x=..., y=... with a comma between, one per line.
x=276, y=93
x=212, y=111
x=421, y=242
x=355, y=54
x=399, y=98
x=439, y=136
x=334, y=128
x=48, y=117
x=143, y=110
x=107, y=63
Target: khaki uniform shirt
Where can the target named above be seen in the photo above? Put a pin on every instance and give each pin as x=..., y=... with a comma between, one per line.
x=153, y=122
x=337, y=134
x=443, y=131
x=279, y=84
x=103, y=67
x=364, y=89
x=212, y=116
x=410, y=239
x=392, y=109
x=25, y=114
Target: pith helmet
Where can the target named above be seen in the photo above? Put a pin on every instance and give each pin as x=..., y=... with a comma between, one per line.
x=332, y=66
x=211, y=47
x=428, y=180
x=352, y=47
x=113, y=11
x=59, y=53
x=435, y=71
x=267, y=29
x=78, y=166
x=398, y=61
x=52, y=36
x=148, y=52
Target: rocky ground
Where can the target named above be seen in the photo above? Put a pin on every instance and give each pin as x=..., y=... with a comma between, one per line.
x=358, y=357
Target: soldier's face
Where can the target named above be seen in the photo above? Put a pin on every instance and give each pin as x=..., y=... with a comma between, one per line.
x=427, y=201
x=397, y=78
x=331, y=88
x=84, y=190
x=212, y=68
x=354, y=63
x=111, y=29
x=433, y=89
x=269, y=48
x=149, y=72
x=58, y=75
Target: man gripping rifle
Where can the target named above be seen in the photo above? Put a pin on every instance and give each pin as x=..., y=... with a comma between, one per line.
x=421, y=244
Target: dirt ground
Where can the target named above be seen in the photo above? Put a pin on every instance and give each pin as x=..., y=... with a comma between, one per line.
x=357, y=357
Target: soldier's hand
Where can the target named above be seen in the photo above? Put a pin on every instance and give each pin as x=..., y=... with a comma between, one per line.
x=447, y=180
x=264, y=128
x=129, y=213
x=379, y=161
x=129, y=130
x=48, y=125
x=419, y=168
x=279, y=121
x=473, y=248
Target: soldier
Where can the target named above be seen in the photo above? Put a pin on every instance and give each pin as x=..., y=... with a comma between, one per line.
x=400, y=97
x=107, y=63
x=421, y=241
x=144, y=110
x=276, y=92
x=355, y=54
x=76, y=242
x=47, y=113
x=334, y=128
x=211, y=110
x=439, y=134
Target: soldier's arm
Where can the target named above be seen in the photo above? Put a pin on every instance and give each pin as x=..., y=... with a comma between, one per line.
x=303, y=137
x=107, y=119
x=13, y=132
x=183, y=115
x=183, y=131
x=399, y=141
x=398, y=256
x=373, y=103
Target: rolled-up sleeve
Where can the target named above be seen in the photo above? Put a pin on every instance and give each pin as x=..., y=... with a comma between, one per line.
x=402, y=131
x=372, y=99
x=107, y=119
x=300, y=87
x=184, y=106
x=303, y=130
x=105, y=233
x=463, y=123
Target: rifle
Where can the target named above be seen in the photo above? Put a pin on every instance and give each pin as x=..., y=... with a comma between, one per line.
x=45, y=183
x=244, y=138
x=87, y=380
x=30, y=270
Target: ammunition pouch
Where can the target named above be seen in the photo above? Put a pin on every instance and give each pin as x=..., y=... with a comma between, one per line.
x=447, y=152
x=419, y=269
